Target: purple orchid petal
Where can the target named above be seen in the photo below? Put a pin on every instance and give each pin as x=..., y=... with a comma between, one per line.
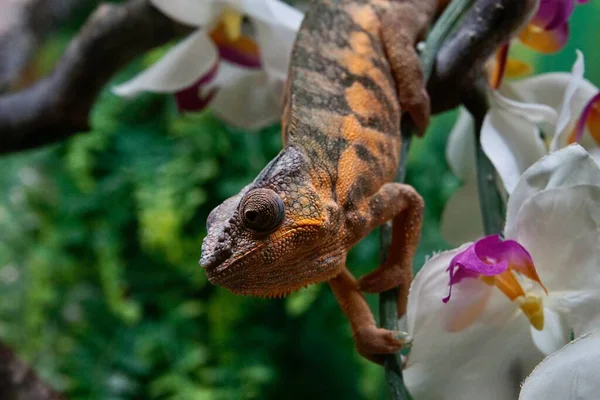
x=189, y=99
x=552, y=13
x=239, y=57
x=490, y=256
x=583, y=118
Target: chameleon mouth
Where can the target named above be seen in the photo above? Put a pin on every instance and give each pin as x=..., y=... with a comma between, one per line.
x=248, y=274
x=297, y=276
x=220, y=261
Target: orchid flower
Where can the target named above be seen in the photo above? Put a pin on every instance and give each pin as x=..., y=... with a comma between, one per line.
x=548, y=30
x=528, y=118
x=570, y=373
x=242, y=80
x=484, y=314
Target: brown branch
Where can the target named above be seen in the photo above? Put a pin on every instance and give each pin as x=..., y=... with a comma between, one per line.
x=23, y=27
x=58, y=106
x=488, y=24
x=18, y=381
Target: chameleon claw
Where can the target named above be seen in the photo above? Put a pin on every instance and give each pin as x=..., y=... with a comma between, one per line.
x=403, y=337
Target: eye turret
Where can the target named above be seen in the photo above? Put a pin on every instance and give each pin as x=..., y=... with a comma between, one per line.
x=262, y=210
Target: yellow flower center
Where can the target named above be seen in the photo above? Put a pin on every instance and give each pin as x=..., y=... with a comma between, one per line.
x=530, y=304
x=232, y=22
x=532, y=307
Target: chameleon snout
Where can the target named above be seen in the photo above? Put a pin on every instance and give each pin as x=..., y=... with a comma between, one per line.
x=214, y=253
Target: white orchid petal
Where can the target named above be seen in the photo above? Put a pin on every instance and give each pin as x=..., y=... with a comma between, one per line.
x=275, y=48
x=461, y=219
x=547, y=89
x=272, y=12
x=179, y=68
x=595, y=153
x=554, y=335
x=582, y=308
x=566, y=167
x=460, y=150
x=565, y=114
x=427, y=290
x=446, y=365
x=560, y=228
x=245, y=98
x=190, y=12
x=570, y=373
x=511, y=143
x=533, y=112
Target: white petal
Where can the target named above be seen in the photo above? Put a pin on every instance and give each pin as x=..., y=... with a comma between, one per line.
x=570, y=373
x=245, y=98
x=533, y=112
x=550, y=89
x=275, y=48
x=273, y=12
x=566, y=167
x=561, y=230
x=547, y=89
x=595, y=153
x=511, y=143
x=565, y=112
x=461, y=219
x=555, y=333
x=179, y=68
x=446, y=365
x=581, y=307
x=460, y=150
x=190, y=12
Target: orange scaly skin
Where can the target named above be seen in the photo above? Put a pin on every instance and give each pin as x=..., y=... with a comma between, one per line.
x=354, y=70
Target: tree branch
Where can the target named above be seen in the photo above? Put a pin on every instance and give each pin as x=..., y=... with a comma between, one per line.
x=59, y=105
x=18, y=381
x=23, y=25
x=488, y=24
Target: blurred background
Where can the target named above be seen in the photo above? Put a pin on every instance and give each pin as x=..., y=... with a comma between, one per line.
x=100, y=238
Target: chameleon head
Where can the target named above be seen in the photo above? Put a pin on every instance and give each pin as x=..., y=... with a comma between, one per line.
x=274, y=236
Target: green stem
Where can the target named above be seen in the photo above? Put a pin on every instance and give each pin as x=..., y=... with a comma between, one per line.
x=388, y=312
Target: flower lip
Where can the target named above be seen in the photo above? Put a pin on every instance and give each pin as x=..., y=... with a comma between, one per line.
x=589, y=117
x=491, y=256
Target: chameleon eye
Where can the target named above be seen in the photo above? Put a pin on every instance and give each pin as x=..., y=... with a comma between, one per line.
x=262, y=210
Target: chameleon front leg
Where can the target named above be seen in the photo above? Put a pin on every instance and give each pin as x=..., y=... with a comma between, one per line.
x=404, y=206
x=371, y=342
x=401, y=27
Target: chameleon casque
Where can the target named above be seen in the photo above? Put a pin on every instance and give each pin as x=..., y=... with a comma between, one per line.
x=354, y=70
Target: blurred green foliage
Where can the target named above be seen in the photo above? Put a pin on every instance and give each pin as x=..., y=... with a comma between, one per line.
x=100, y=237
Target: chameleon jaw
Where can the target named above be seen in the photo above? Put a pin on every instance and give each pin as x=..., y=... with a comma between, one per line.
x=248, y=275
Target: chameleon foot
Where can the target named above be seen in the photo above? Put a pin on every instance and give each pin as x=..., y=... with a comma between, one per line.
x=372, y=342
x=401, y=28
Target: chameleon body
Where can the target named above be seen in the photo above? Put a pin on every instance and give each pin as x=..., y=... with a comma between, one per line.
x=354, y=70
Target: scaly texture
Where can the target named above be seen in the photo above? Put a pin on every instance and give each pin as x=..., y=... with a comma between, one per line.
x=354, y=71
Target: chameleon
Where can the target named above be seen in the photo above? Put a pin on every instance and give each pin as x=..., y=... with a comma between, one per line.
x=354, y=71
